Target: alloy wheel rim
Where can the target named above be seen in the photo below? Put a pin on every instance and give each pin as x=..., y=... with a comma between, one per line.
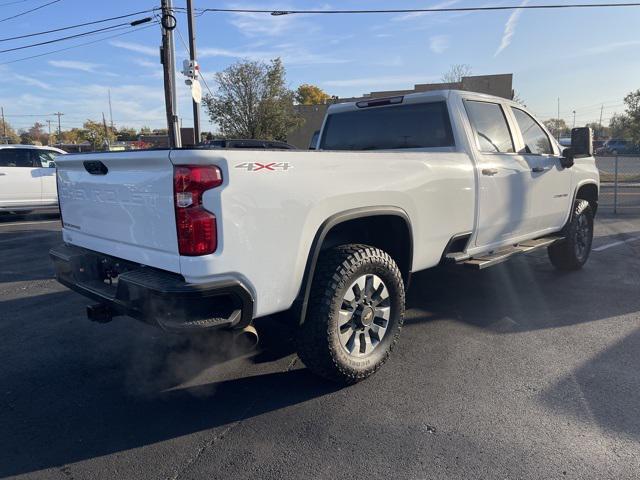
x=364, y=315
x=582, y=237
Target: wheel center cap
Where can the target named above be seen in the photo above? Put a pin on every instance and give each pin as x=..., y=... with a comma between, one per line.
x=367, y=316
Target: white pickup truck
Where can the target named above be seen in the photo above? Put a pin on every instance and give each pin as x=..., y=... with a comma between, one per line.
x=196, y=239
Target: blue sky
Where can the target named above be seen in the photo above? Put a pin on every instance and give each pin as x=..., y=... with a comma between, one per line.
x=585, y=57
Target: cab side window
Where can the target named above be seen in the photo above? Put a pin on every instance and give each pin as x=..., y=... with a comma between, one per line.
x=536, y=141
x=490, y=124
x=45, y=158
x=16, y=157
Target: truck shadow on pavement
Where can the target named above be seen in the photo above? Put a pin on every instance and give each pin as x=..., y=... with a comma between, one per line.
x=605, y=390
x=72, y=390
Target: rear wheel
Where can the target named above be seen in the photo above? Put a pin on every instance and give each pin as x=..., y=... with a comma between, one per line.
x=573, y=252
x=355, y=314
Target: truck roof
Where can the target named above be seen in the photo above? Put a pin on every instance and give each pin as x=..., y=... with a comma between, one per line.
x=30, y=147
x=418, y=97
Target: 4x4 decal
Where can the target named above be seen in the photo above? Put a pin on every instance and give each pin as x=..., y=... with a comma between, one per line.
x=267, y=167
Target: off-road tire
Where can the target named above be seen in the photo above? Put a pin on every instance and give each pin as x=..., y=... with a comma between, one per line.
x=318, y=342
x=573, y=252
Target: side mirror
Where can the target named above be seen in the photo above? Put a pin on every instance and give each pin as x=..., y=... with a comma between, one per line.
x=52, y=164
x=568, y=158
x=582, y=142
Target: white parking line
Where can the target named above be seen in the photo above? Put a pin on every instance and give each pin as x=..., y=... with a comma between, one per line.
x=29, y=223
x=616, y=244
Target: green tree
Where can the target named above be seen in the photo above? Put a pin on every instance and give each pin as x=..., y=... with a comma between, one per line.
x=307, y=94
x=26, y=138
x=36, y=132
x=126, y=134
x=7, y=133
x=620, y=126
x=97, y=135
x=632, y=102
x=253, y=101
x=456, y=73
x=557, y=126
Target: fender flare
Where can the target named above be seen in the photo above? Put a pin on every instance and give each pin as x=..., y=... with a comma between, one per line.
x=302, y=300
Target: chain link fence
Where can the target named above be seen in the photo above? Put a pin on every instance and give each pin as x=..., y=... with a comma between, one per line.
x=620, y=183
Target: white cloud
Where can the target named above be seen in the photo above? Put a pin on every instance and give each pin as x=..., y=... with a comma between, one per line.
x=290, y=54
x=135, y=47
x=413, y=15
x=439, y=43
x=75, y=65
x=399, y=81
x=510, y=29
x=610, y=47
x=32, y=81
x=9, y=77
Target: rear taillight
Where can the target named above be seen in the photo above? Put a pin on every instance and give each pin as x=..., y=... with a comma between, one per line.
x=196, y=226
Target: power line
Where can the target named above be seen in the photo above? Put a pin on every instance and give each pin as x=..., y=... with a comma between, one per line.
x=28, y=11
x=69, y=27
x=422, y=10
x=68, y=37
x=130, y=30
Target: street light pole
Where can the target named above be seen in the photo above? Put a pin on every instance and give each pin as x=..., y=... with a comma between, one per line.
x=192, y=54
x=168, y=23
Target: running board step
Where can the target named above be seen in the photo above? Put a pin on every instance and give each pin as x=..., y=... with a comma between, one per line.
x=497, y=257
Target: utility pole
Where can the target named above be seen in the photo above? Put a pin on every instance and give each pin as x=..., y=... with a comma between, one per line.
x=110, y=111
x=4, y=127
x=558, y=121
x=192, y=53
x=106, y=133
x=600, y=125
x=59, y=114
x=574, y=119
x=168, y=23
x=49, y=123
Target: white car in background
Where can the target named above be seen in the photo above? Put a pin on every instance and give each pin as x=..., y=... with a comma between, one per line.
x=28, y=177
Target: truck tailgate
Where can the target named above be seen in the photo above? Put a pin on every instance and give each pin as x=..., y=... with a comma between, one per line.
x=120, y=204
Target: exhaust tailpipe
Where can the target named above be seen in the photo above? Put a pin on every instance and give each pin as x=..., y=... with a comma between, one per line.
x=247, y=337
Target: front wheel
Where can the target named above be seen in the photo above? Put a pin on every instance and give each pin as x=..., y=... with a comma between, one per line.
x=573, y=252
x=355, y=313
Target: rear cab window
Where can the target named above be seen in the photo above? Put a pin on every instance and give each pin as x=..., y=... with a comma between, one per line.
x=394, y=127
x=490, y=125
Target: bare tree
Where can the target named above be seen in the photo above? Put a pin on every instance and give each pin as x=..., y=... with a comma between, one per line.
x=456, y=73
x=253, y=101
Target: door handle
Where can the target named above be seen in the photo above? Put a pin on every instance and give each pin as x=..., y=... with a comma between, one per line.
x=489, y=171
x=2, y=174
x=540, y=169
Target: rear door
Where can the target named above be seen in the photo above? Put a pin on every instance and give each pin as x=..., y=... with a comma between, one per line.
x=504, y=177
x=19, y=182
x=551, y=184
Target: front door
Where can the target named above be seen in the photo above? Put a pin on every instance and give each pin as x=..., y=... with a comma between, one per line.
x=20, y=184
x=551, y=184
x=504, y=177
x=45, y=159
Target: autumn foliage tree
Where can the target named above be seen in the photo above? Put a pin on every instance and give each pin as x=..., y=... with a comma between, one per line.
x=311, y=95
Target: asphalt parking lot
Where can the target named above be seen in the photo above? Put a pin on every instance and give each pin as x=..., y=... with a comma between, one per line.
x=514, y=372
